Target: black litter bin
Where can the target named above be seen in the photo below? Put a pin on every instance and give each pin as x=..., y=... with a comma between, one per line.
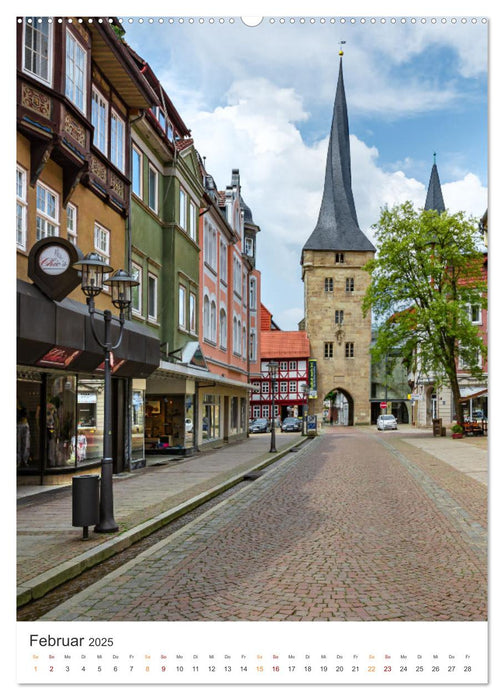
x=85, y=501
x=437, y=427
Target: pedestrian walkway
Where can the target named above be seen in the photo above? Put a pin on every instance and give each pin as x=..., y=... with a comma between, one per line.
x=50, y=551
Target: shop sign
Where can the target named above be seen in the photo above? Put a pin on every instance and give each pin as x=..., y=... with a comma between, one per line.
x=58, y=357
x=312, y=379
x=50, y=267
x=87, y=397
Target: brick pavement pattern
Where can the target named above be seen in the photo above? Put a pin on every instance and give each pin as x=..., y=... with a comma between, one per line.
x=354, y=527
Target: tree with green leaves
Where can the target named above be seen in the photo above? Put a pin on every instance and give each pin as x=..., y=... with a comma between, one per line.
x=428, y=274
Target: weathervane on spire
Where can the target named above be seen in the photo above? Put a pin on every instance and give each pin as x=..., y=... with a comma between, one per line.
x=341, y=50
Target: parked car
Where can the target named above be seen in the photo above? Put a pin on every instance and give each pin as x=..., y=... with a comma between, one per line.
x=386, y=422
x=260, y=425
x=291, y=425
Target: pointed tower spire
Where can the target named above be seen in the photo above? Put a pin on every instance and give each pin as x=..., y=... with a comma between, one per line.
x=337, y=226
x=434, y=199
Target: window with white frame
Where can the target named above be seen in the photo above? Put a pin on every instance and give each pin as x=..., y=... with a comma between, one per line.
x=75, y=72
x=206, y=317
x=349, y=350
x=253, y=293
x=102, y=242
x=21, y=208
x=292, y=365
x=192, y=312
x=182, y=306
x=237, y=276
x=213, y=321
x=474, y=311
x=253, y=346
x=182, y=209
x=192, y=221
x=283, y=366
x=136, y=171
x=349, y=284
x=152, y=297
x=223, y=261
x=210, y=245
x=99, y=120
x=47, y=223
x=38, y=49
x=71, y=223
x=153, y=188
x=293, y=387
x=117, y=140
x=256, y=411
x=283, y=387
x=265, y=411
x=223, y=328
x=136, y=292
x=244, y=342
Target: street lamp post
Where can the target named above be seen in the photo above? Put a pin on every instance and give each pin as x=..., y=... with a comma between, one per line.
x=92, y=270
x=273, y=369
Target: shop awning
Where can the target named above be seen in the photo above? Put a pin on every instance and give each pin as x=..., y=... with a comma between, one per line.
x=182, y=371
x=58, y=335
x=472, y=392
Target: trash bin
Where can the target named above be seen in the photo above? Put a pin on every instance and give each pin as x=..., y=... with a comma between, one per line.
x=437, y=427
x=85, y=501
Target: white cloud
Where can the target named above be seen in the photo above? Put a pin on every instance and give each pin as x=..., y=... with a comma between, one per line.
x=282, y=179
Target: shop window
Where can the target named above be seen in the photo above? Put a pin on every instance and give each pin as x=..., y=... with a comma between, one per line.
x=90, y=412
x=211, y=417
x=137, y=424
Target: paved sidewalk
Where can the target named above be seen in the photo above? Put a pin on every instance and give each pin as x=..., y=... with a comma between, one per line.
x=50, y=551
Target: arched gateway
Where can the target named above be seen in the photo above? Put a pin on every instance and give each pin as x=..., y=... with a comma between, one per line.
x=339, y=405
x=335, y=283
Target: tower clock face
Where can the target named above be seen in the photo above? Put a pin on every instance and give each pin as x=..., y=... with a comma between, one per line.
x=54, y=260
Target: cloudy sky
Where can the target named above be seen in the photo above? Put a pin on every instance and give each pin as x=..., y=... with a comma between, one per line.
x=260, y=99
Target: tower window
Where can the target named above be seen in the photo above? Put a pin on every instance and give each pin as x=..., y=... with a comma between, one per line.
x=349, y=349
x=328, y=284
x=339, y=258
x=339, y=317
x=328, y=350
x=349, y=284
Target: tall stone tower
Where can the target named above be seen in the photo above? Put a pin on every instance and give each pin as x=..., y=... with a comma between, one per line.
x=334, y=286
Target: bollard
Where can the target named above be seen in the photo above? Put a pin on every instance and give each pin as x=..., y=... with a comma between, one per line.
x=85, y=502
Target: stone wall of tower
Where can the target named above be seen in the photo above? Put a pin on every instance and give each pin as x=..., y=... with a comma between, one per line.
x=352, y=374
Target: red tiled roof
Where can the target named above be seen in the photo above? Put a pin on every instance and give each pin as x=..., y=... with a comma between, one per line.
x=181, y=144
x=284, y=344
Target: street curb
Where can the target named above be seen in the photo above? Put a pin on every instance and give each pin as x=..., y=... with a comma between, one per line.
x=39, y=586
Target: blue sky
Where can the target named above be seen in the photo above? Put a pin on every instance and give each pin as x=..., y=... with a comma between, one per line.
x=260, y=99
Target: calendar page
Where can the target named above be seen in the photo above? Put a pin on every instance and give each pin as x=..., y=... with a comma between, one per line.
x=252, y=366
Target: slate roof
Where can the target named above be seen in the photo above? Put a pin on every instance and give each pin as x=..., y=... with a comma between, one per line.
x=434, y=199
x=337, y=226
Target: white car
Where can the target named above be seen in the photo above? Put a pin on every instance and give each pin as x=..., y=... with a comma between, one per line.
x=386, y=422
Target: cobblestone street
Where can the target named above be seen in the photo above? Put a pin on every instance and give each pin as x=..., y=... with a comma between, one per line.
x=356, y=526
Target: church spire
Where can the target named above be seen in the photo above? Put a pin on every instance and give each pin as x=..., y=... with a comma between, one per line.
x=337, y=226
x=434, y=199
